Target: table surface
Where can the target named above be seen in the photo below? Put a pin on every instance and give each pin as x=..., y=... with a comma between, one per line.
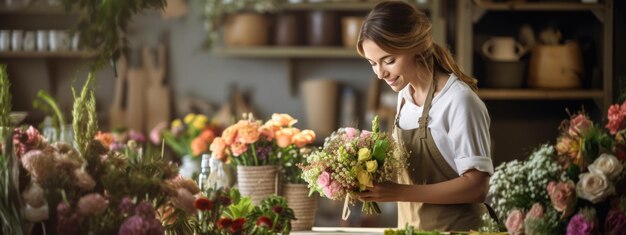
x=341, y=231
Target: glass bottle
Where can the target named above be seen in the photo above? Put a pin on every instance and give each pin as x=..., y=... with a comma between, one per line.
x=218, y=178
x=204, y=172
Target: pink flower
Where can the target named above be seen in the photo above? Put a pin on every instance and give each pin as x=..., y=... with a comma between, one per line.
x=137, y=225
x=366, y=134
x=536, y=211
x=351, y=132
x=155, y=133
x=579, y=124
x=617, y=118
x=238, y=148
x=563, y=197
x=332, y=190
x=92, y=204
x=615, y=222
x=323, y=179
x=515, y=222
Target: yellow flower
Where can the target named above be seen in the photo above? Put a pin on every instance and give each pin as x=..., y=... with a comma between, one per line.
x=189, y=118
x=364, y=154
x=371, y=166
x=176, y=123
x=199, y=122
x=365, y=179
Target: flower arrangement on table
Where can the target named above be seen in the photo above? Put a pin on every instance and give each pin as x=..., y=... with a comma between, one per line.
x=250, y=143
x=120, y=139
x=574, y=187
x=189, y=137
x=352, y=160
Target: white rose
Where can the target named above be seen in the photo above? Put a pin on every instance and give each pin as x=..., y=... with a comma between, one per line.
x=606, y=164
x=594, y=187
x=35, y=215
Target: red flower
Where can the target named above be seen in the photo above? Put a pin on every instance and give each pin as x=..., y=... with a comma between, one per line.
x=203, y=203
x=237, y=225
x=277, y=209
x=226, y=201
x=264, y=221
x=224, y=223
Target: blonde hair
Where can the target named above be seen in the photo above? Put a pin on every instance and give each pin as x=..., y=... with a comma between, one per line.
x=398, y=27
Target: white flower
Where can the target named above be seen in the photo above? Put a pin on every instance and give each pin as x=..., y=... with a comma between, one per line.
x=33, y=195
x=606, y=164
x=594, y=187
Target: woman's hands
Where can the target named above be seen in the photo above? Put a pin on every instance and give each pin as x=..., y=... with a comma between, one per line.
x=384, y=192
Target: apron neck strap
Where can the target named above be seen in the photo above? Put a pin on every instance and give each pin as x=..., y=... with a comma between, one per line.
x=423, y=121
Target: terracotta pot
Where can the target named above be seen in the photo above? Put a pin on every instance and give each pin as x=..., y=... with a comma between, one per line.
x=303, y=206
x=246, y=30
x=287, y=31
x=257, y=182
x=350, y=27
x=322, y=28
x=556, y=66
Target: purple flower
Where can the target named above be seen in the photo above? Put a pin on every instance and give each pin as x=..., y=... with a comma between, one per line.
x=116, y=146
x=136, y=136
x=615, y=222
x=145, y=210
x=137, y=225
x=126, y=205
x=63, y=209
x=580, y=225
x=67, y=224
x=263, y=152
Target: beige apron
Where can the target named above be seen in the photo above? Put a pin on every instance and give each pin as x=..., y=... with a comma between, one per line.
x=427, y=166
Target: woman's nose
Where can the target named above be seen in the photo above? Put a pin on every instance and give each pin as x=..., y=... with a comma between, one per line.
x=381, y=73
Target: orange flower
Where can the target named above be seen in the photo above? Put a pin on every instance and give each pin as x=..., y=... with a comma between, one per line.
x=105, y=138
x=303, y=138
x=230, y=133
x=285, y=135
x=238, y=148
x=218, y=148
x=283, y=119
x=208, y=135
x=198, y=146
x=248, y=132
x=269, y=131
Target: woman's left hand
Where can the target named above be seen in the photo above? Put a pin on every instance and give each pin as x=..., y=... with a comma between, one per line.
x=383, y=192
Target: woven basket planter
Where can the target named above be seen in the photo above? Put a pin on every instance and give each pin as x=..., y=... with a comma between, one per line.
x=304, y=207
x=257, y=182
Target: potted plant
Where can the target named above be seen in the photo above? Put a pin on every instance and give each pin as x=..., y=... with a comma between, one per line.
x=295, y=189
x=244, y=21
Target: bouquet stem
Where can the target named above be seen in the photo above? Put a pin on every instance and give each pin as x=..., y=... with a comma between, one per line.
x=371, y=208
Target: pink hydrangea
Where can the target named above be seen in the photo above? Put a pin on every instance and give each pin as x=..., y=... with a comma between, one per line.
x=351, y=132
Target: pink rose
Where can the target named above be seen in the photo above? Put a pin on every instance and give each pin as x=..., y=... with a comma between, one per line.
x=238, y=148
x=351, y=132
x=515, y=222
x=366, y=134
x=562, y=196
x=617, y=118
x=92, y=204
x=332, y=190
x=155, y=133
x=324, y=179
x=536, y=211
x=579, y=124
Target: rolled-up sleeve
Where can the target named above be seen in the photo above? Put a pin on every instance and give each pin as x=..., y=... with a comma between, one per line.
x=469, y=134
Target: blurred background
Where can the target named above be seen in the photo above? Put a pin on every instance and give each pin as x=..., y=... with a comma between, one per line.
x=535, y=62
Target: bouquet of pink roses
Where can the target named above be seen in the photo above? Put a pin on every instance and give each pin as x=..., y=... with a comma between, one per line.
x=350, y=161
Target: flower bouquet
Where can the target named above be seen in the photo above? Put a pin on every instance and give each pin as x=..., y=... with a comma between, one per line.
x=350, y=161
x=574, y=187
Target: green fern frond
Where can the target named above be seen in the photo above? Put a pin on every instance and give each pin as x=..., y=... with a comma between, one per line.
x=84, y=116
x=5, y=100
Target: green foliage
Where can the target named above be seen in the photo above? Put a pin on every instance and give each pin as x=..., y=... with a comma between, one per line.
x=595, y=142
x=380, y=150
x=48, y=104
x=182, y=224
x=10, y=199
x=5, y=100
x=240, y=208
x=102, y=23
x=85, y=121
x=275, y=208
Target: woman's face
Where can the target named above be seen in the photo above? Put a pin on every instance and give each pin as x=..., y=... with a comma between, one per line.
x=396, y=69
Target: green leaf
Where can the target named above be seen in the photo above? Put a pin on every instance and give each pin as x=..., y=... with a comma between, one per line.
x=380, y=150
x=5, y=100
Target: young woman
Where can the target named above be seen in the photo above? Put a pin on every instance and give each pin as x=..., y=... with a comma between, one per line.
x=441, y=123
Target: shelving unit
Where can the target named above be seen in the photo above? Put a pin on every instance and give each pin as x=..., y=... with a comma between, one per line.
x=47, y=54
x=288, y=52
x=530, y=94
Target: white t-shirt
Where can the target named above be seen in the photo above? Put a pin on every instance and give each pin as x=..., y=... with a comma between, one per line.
x=459, y=123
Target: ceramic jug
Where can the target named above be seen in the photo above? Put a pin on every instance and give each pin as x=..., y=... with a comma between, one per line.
x=503, y=49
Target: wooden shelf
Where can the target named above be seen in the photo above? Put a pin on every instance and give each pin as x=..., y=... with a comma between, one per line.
x=536, y=94
x=47, y=54
x=338, y=6
x=540, y=6
x=288, y=52
x=36, y=9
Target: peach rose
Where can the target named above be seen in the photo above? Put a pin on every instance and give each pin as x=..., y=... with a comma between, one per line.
x=283, y=119
x=303, y=138
x=218, y=147
x=285, y=135
x=562, y=196
x=248, y=132
x=515, y=222
x=198, y=146
x=208, y=135
x=229, y=134
x=579, y=124
x=269, y=131
x=238, y=148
